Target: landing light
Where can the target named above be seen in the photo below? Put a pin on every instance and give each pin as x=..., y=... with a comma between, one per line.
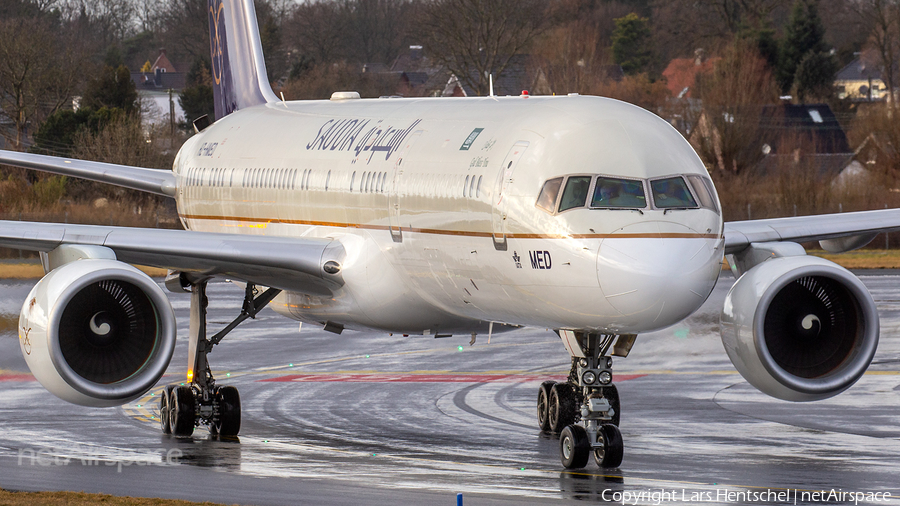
x=605, y=378
x=588, y=378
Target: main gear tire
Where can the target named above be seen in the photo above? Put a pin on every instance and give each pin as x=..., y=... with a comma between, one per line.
x=228, y=423
x=563, y=408
x=543, y=405
x=182, y=411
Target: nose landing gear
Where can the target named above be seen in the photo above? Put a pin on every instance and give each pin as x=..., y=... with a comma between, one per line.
x=584, y=410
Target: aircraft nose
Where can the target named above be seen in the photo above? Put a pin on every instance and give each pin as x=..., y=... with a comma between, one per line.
x=657, y=273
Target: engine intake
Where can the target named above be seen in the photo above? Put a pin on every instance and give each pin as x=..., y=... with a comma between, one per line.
x=800, y=328
x=97, y=332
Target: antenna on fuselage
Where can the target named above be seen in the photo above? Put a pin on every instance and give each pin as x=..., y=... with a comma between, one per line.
x=491, y=81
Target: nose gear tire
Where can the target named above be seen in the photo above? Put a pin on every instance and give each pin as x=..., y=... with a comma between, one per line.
x=613, y=448
x=574, y=447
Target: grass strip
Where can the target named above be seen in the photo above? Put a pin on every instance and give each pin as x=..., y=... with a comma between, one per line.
x=35, y=271
x=863, y=258
x=82, y=499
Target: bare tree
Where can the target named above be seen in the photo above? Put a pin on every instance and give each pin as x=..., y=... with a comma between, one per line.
x=376, y=28
x=37, y=74
x=186, y=35
x=111, y=20
x=684, y=25
x=576, y=51
x=320, y=81
x=728, y=135
x=316, y=30
x=882, y=18
x=148, y=15
x=477, y=38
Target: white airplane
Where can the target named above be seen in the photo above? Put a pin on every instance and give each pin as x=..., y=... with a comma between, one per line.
x=436, y=216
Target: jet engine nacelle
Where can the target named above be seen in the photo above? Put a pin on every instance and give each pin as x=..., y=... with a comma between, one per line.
x=800, y=328
x=97, y=332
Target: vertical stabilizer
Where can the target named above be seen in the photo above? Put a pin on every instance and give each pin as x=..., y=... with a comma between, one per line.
x=238, y=67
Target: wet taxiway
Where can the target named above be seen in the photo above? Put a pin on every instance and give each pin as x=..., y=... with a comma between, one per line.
x=376, y=419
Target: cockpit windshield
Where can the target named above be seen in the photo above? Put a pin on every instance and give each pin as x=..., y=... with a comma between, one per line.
x=672, y=192
x=614, y=192
x=690, y=191
x=576, y=192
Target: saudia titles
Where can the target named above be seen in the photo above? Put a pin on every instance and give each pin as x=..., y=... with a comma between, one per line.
x=360, y=136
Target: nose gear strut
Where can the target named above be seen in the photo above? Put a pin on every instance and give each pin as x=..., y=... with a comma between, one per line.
x=584, y=410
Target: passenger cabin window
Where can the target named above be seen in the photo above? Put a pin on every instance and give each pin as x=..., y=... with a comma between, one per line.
x=672, y=192
x=619, y=193
x=576, y=192
x=547, y=198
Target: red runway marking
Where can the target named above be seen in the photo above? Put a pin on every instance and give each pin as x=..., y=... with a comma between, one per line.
x=425, y=378
x=16, y=377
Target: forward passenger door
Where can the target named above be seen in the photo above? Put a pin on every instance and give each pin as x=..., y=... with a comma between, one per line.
x=394, y=197
x=499, y=223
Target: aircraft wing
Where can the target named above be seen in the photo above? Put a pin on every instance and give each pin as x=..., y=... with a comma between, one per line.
x=839, y=232
x=286, y=263
x=160, y=182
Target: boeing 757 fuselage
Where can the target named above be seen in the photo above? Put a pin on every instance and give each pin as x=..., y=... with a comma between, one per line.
x=464, y=211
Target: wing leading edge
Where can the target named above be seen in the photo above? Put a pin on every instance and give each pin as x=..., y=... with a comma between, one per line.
x=837, y=232
x=160, y=182
x=294, y=264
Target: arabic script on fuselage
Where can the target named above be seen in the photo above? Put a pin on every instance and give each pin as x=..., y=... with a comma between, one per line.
x=361, y=136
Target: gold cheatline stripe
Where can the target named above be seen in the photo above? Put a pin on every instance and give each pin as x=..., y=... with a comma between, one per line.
x=465, y=233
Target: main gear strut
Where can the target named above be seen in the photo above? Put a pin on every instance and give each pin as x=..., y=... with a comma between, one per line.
x=200, y=400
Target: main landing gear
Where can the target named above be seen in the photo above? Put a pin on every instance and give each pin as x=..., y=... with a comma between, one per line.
x=200, y=400
x=584, y=410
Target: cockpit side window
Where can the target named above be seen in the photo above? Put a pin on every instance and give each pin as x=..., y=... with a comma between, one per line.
x=576, y=192
x=547, y=198
x=704, y=192
x=672, y=192
x=615, y=192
